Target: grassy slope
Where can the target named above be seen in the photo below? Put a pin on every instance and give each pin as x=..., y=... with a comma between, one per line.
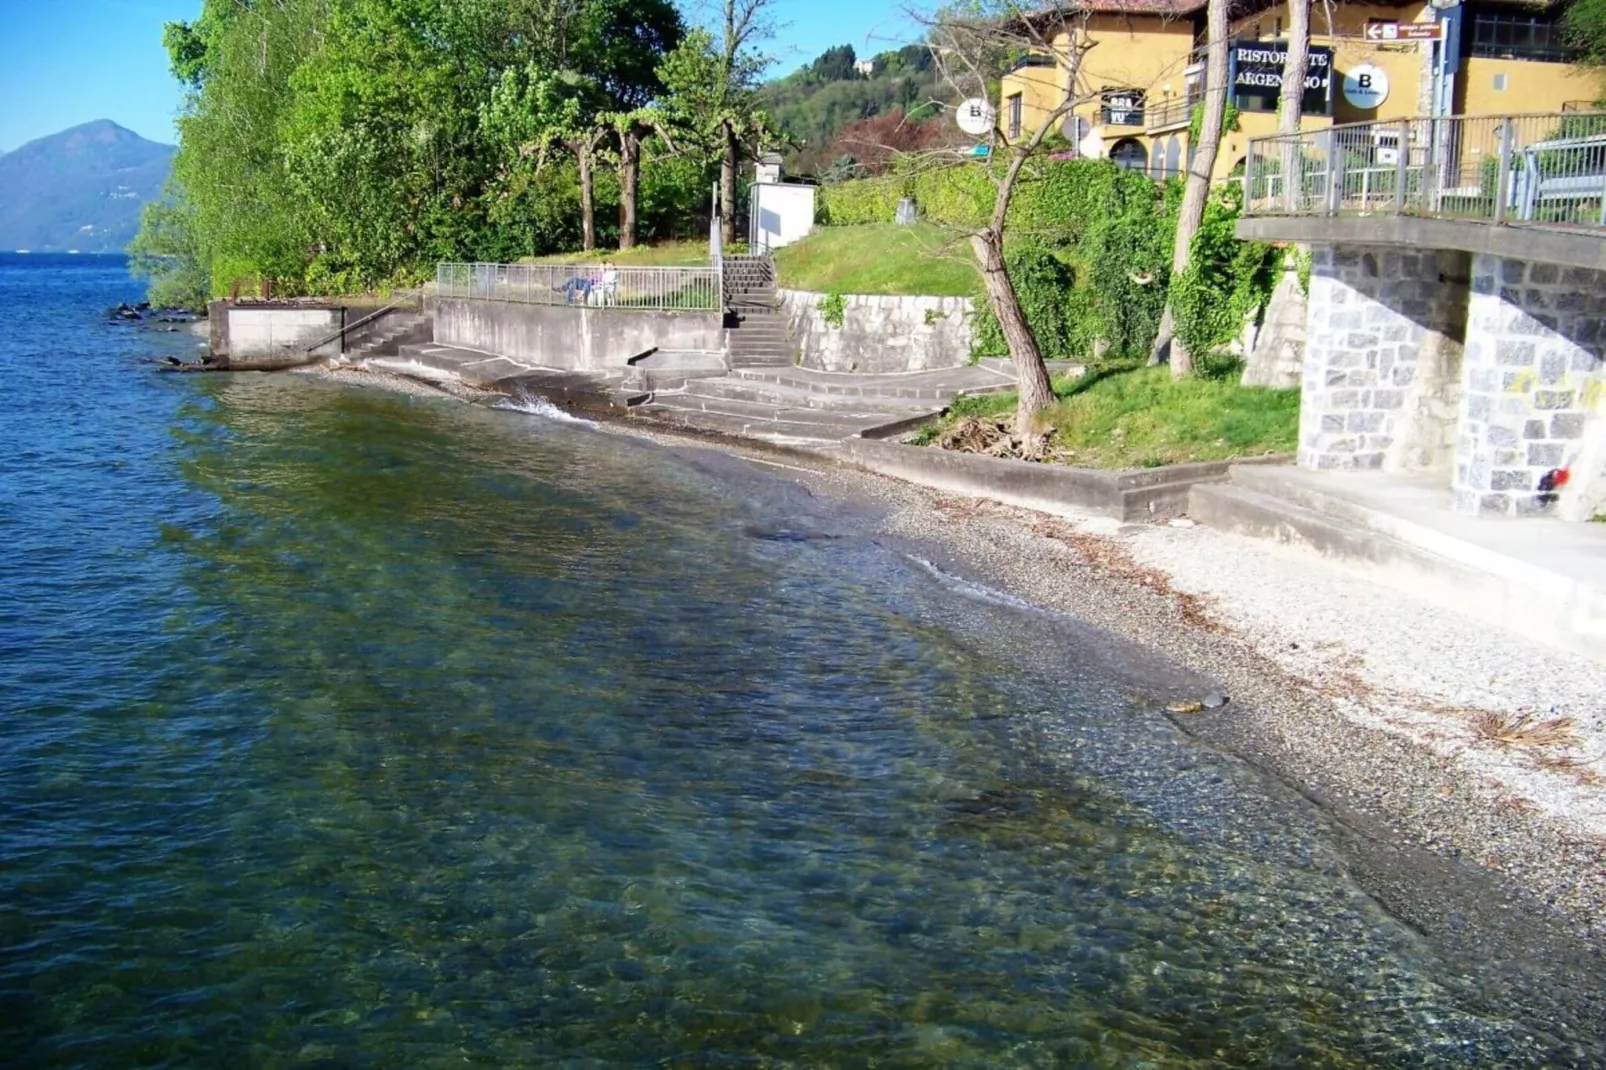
x=883, y=259
x=669, y=254
x=1141, y=417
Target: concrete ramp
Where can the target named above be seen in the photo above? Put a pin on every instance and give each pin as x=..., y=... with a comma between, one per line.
x=1543, y=578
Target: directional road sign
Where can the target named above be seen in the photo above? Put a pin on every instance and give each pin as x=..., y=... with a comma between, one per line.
x=1404, y=31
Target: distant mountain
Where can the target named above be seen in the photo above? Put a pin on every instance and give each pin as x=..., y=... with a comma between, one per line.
x=80, y=189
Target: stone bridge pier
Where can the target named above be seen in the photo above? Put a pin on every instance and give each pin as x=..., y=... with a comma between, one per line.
x=1480, y=366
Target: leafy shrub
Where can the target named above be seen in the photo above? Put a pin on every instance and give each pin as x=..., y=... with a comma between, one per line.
x=1226, y=279
x=833, y=309
x=1111, y=231
x=1056, y=311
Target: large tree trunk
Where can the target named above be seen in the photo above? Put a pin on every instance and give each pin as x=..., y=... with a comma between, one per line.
x=1031, y=376
x=1191, y=213
x=588, y=206
x=629, y=182
x=1290, y=105
x=727, y=184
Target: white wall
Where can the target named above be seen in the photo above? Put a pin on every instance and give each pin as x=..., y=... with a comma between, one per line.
x=782, y=213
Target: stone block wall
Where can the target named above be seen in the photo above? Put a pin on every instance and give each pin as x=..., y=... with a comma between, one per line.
x=1276, y=358
x=1535, y=387
x=1382, y=358
x=880, y=333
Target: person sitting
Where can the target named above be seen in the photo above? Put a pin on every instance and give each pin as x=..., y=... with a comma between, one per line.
x=577, y=284
x=608, y=284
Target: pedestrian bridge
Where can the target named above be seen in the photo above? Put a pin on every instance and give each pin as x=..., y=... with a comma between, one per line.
x=1457, y=303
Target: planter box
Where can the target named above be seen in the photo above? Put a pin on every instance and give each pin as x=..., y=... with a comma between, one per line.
x=1130, y=495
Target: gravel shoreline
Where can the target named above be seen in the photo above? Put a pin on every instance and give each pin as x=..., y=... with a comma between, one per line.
x=1355, y=695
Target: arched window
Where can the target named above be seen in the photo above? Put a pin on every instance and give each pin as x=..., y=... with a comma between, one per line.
x=1173, y=156
x=1129, y=153
x=1157, y=159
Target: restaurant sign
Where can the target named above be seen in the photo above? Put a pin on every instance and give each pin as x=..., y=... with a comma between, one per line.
x=1257, y=77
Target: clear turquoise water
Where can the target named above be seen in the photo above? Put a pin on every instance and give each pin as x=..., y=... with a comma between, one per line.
x=348, y=729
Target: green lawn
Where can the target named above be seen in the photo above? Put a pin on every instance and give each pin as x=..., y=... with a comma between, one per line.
x=1136, y=417
x=880, y=259
x=883, y=259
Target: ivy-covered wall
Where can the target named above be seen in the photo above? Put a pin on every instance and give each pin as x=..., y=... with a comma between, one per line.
x=1089, y=250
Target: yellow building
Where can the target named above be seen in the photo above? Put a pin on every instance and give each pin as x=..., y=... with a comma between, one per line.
x=1141, y=70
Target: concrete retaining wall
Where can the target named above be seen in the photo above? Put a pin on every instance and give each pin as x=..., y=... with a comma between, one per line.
x=1136, y=495
x=880, y=333
x=572, y=337
x=265, y=331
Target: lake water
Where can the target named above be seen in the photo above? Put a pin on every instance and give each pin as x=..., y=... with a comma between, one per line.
x=342, y=728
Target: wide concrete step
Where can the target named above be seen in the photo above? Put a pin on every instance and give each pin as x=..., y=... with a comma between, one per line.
x=934, y=388
x=736, y=397
x=779, y=431
x=1506, y=591
x=740, y=387
x=839, y=422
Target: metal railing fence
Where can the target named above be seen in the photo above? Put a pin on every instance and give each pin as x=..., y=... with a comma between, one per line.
x=1545, y=168
x=583, y=285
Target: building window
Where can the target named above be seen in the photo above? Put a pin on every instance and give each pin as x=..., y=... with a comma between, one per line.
x=1129, y=154
x=1516, y=34
x=1032, y=59
x=1014, y=115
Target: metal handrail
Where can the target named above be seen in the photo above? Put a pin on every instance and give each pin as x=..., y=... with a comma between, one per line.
x=347, y=328
x=586, y=285
x=1536, y=168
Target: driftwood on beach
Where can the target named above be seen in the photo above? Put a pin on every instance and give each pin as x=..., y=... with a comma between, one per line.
x=267, y=364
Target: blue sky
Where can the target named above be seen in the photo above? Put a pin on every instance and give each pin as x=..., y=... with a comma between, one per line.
x=65, y=62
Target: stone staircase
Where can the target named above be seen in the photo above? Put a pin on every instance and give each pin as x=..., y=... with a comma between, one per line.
x=759, y=333
x=387, y=335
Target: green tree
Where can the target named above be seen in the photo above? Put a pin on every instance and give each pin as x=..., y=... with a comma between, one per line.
x=1585, y=24
x=242, y=211
x=712, y=98
x=166, y=253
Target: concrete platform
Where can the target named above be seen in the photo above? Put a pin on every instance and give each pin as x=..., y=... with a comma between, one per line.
x=1542, y=577
x=1131, y=495
x=441, y=363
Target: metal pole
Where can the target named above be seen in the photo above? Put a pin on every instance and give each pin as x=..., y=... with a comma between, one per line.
x=1249, y=181
x=1430, y=167
x=1335, y=173
x=1402, y=165
x=1502, y=186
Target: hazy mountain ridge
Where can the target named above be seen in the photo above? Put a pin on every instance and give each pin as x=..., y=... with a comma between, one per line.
x=81, y=189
